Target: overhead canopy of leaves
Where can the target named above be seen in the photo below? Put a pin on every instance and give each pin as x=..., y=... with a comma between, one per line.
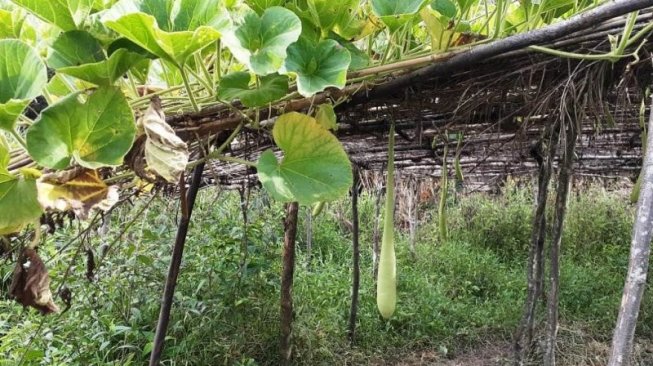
x=261, y=42
x=237, y=85
x=94, y=133
x=165, y=153
x=79, y=54
x=22, y=77
x=318, y=66
x=78, y=189
x=314, y=167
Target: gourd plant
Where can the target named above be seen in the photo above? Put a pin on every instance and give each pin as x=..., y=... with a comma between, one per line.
x=386, y=284
x=110, y=71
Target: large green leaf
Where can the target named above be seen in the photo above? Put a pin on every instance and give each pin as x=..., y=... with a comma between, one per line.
x=314, y=168
x=445, y=7
x=237, y=86
x=175, y=47
x=395, y=13
x=261, y=42
x=327, y=13
x=22, y=77
x=95, y=133
x=192, y=14
x=317, y=66
x=170, y=29
x=79, y=54
x=65, y=14
x=18, y=203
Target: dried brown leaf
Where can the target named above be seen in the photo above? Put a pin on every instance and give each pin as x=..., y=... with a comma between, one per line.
x=30, y=285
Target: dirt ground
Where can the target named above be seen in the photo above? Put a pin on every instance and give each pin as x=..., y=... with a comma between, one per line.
x=591, y=353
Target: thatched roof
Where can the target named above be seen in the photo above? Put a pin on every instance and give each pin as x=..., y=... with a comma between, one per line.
x=499, y=105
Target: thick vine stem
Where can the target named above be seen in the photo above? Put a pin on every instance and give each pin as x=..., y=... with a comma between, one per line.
x=187, y=203
x=624, y=332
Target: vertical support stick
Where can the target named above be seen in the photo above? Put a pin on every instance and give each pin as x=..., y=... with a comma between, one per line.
x=624, y=332
x=355, y=272
x=287, y=272
x=564, y=183
x=187, y=204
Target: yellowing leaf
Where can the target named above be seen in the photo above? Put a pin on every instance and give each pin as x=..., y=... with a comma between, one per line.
x=314, y=168
x=79, y=190
x=166, y=154
x=18, y=204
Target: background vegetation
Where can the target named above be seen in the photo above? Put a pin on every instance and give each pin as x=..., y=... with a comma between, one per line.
x=455, y=296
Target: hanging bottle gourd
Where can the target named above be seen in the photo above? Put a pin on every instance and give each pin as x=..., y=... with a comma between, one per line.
x=386, y=285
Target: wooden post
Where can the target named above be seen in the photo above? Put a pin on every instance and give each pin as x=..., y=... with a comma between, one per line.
x=187, y=204
x=524, y=334
x=624, y=332
x=355, y=272
x=287, y=273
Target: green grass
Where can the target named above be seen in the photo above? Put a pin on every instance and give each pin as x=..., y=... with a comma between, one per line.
x=454, y=296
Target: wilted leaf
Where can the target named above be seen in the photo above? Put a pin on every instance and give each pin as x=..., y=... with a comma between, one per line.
x=317, y=65
x=314, y=168
x=261, y=42
x=78, y=189
x=94, y=133
x=22, y=76
x=30, y=285
x=165, y=153
x=237, y=86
